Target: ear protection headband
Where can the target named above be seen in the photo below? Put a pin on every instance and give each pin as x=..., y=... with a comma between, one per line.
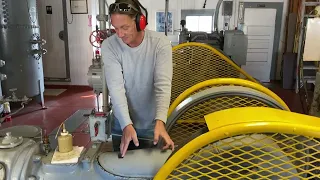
x=140, y=19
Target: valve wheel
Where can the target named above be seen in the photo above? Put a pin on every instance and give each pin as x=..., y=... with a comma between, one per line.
x=96, y=38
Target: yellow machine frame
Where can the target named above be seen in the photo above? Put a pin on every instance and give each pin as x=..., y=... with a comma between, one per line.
x=239, y=121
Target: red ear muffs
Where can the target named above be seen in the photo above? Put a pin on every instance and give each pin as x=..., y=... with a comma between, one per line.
x=141, y=22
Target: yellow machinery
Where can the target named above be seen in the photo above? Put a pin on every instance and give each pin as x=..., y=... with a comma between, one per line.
x=206, y=81
x=250, y=143
x=185, y=116
x=231, y=128
x=196, y=62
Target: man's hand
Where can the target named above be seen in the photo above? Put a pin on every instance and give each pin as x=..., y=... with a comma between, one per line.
x=129, y=134
x=160, y=131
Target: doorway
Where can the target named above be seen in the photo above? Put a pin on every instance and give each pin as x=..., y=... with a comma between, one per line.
x=54, y=29
x=262, y=23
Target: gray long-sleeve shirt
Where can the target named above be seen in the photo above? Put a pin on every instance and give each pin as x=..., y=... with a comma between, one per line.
x=139, y=79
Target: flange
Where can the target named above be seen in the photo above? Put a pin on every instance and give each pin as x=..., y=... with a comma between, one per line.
x=10, y=141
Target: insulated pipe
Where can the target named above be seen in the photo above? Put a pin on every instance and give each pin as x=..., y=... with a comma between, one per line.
x=166, y=17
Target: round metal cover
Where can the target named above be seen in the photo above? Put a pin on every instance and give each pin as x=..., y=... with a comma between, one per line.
x=25, y=131
x=10, y=141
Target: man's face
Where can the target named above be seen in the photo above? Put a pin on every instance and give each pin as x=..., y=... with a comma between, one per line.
x=125, y=27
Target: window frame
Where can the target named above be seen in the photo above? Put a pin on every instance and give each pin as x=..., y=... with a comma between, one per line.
x=198, y=12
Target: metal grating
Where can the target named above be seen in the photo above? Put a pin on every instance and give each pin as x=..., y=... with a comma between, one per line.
x=253, y=156
x=193, y=64
x=181, y=132
x=193, y=119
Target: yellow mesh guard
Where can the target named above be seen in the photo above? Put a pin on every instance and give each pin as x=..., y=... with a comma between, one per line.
x=193, y=119
x=224, y=81
x=197, y=62
x=265, y=144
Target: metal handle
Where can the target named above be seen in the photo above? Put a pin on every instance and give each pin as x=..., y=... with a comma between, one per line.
x=2, y=63
x=39, y=51
x=3, y=77
x=44, y=51
x=42, y=42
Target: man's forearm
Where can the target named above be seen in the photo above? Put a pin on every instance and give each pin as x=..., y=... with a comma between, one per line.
x=120, y=107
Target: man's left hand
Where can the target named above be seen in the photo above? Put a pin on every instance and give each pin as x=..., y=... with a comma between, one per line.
x=160, y=131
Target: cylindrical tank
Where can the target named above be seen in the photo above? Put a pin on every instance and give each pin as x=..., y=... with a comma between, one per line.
x=21, y=48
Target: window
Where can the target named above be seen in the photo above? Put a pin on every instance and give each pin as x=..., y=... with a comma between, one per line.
x=199, y=23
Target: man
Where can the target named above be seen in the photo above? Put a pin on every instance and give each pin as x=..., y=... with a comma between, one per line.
x=138, y=67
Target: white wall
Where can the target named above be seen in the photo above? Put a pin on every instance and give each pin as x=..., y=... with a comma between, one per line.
x=81, y=51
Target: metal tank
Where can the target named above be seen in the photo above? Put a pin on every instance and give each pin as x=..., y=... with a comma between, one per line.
x=21, y=49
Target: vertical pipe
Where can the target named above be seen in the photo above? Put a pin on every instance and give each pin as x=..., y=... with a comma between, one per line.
x=301, y=27
x=66, y=38
x=105, y=92
x=102, y=13
x=103, y=27
x=166, y=17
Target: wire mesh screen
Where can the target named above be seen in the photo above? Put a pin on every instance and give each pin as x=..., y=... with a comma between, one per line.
x=192, y=120
x=254, y=156
x=194, y=64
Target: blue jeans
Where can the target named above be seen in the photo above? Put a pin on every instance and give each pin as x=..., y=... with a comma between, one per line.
x=145, y=136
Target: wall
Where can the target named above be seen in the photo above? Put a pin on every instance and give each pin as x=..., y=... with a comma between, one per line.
x=81, y=51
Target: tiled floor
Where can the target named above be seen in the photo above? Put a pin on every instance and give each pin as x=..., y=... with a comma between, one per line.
x=59, y=108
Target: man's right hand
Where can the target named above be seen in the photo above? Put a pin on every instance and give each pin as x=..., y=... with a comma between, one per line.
x=129, y=134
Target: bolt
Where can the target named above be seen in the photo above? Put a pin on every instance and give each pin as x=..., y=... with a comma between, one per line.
x=2, y=63
x=36, y=158
x=87, y=158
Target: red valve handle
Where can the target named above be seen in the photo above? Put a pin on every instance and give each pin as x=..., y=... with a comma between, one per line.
x=96, y=38
x=96, y=129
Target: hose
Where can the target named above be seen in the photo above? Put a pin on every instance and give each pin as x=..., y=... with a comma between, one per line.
x=216, y=16
x=11, y=114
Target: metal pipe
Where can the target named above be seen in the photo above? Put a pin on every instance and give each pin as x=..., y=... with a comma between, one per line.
x=105, y=92
x=216, y=16
x=102, y=17
x=166, y=17
x=299, y=55
x=109, y=22
x=66, y=40
x=102, y=13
